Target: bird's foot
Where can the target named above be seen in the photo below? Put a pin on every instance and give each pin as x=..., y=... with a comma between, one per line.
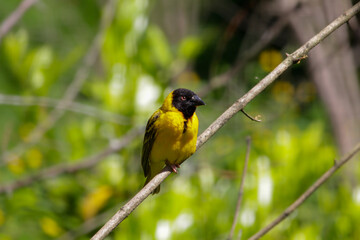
x=173, y=166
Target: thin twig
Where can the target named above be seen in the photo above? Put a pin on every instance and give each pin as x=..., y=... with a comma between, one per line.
x=256, y=118
x=241, y=189
x=306, y=194
x=15, y=16
x=86, y=163
x=72, y=90
x=226, y=116
x=55, y=103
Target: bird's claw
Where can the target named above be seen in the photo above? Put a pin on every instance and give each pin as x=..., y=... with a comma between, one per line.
x=173, y=166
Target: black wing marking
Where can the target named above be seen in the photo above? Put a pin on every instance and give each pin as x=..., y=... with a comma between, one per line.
x=185, y=126
x=149, y=139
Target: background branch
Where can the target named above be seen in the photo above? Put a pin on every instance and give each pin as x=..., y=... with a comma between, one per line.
x=86, y=163
x=241, y=189
x=307, y=193
x=72, y=90
x=246, y=55
x=15, y=16
x=272, y=76
x=226, y=116
x=73, y=107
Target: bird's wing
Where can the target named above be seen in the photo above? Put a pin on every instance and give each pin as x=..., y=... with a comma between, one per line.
x=149, y=139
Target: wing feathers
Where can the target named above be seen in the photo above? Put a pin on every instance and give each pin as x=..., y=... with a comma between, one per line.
x=149, y=139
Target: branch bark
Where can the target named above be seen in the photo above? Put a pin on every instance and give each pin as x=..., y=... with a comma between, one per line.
x=307, y=193
x=89, y=225
x=226, y=116
x=241, y=189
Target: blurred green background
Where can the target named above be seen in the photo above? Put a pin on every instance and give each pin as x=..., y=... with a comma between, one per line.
x=108, y=65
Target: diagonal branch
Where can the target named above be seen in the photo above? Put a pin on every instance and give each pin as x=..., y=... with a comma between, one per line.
x=306, y=194
x=272, y=76
x=226, y=116
x=89, y=225
x=241, y=190
x=89, y=162
x=15, y=16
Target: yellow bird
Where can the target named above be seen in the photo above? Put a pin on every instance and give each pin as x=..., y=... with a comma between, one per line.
x=171, y=133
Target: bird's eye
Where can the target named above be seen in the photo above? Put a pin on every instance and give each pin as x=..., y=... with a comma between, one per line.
x=182, y=98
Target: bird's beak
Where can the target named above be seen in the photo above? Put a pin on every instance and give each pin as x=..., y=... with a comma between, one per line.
x=197, y=101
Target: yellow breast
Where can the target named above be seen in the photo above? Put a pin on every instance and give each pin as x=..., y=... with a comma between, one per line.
x=176, y=138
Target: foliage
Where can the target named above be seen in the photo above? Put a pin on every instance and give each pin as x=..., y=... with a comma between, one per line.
x=137, y=66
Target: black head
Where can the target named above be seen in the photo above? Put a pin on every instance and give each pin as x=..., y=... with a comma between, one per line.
x=186, y=101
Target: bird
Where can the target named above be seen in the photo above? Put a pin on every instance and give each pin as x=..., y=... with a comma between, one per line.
x=171, y=133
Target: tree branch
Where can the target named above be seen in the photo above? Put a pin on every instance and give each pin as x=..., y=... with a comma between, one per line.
x=73, y=107
x=226, y=116
x=71, y=91
x=89, y=225
x=15, y=16
x=272, y=76
x=241, y=189
x=86, y=163
x=306, y=194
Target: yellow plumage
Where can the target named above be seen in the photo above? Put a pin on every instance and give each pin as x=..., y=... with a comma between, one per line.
x=171, y=133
